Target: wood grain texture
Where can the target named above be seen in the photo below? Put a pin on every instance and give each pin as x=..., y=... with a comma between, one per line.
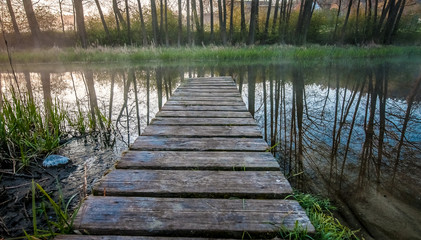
x=155, y=143
x=198, y=98
x=185, y=107
x=228, y=161
x=110, y=237
x=181, y=121
x=204, y=103
x=204, y=114
x=207, y=94
x=189, y=217
x=197, y=184
x=206, y=90
x=202, y=131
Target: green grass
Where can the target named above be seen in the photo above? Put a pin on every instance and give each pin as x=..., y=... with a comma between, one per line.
x=209, y=53
x=319, y=211
x=26, y=132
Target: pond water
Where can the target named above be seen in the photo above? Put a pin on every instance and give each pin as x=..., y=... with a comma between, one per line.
x=349, y=130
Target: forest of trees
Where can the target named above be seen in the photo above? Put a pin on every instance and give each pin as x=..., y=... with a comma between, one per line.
x=203, y=22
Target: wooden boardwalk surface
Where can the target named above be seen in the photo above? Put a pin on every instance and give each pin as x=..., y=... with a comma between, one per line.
x=199, y=170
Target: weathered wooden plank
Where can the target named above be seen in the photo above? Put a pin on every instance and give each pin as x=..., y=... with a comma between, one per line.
x=204, y=114
x=202, y=94
x=191, y=183
x=110, y=237
x=186, y=107
x=200, y=86
x=189, y=217
x=202, y=131
x=205, y=103
x=200, y=90
x=196, y=98
x=228, y=161
x=155, y=143
x=204, y=121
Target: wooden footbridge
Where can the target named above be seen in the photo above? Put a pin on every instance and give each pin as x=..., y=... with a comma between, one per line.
x=201, y=169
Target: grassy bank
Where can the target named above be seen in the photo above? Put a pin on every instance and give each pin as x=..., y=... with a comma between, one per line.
x=215, y=53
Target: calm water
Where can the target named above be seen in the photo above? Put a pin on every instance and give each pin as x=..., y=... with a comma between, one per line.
x=344, y=129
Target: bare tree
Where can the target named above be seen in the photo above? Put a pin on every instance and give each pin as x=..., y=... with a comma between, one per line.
x=12, y=17
x=253, y=21
x=142, y=24
x=32, y=21
x=129, y=34
x=80, y=21
x=154, y=22
x=101, y=15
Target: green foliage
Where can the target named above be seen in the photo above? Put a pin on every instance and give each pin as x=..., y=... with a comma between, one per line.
x=26, y=132
x=213, y=53
x=62, y=223
x=319, y=212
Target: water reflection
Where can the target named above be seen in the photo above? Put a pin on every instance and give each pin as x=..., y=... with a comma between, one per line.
x=341, y=125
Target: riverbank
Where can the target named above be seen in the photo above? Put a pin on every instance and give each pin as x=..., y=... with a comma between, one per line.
x=209, y=53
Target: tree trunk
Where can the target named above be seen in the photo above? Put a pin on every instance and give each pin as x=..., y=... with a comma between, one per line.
x=211, y=21
x=231, y=21
x=13, y=18
x=154, y=22
x=142, y=24
x=222, y=23
x=275, y=16
x=129, y=34
x=266, y=31
x=180, y=24
x=251, y=86
x=202, y=29
x=118, y=13
x=303, y=22
x=104, y=24
x=32, y=21
x=188, y=22
x=243, y=22
x=348, y=12
x=253, y=21
x=167, y=41
x=196, y=19
x=61, y=14
x=161, y=22
x=80, y=21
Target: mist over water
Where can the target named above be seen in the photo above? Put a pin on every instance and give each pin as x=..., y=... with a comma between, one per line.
x=335, y=128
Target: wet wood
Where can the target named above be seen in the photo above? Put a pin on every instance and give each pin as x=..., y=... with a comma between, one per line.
x=203, y=131
x=155, y=143
x=197, y=98
x=197, y=184
x=110, y=237
x=211, y=94
x=204, y=114
x=204, y=121
x=196, y=171
x=228, y=161
x=204, y=103
x=189, y=217
x=185, y=107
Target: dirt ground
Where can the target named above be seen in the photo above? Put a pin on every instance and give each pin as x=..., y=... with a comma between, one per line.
x=15, y=190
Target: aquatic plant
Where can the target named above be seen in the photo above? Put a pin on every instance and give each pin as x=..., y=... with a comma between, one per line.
x=319, y=212
x=27, y=133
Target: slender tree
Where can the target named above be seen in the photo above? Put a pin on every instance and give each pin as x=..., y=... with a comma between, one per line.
x=80, y=21
x=266, y=31
x=306, y=11
x=117, y=13
x=32, y=21
x=101, y=15
x=129, y=34
x=275, y=16
x=243, y=21
x=167, y=41
x=211, y=21
x=202, y=24
x=12, y=17
x=188, y=22
x=222, y=23
x=161, y=22
x=142, y=24
x=231, y=21
x=180, y=23
x=154, y=22
x=253, y=21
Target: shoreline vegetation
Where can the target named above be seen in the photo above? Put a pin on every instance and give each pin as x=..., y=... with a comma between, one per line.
x=207, y=53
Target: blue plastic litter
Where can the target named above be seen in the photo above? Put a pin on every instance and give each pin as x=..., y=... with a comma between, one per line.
x=55, y=160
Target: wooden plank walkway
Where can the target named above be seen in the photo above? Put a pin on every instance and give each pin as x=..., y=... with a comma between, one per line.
x=199, y=170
